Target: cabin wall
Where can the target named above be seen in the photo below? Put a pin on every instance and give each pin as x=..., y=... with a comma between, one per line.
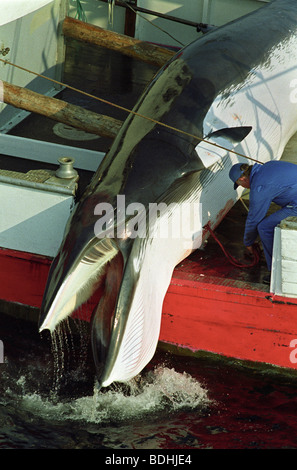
x=13, y=10
x=30, y=37
x=216, y=12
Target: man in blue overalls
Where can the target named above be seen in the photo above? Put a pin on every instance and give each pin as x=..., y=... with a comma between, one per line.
x=274, y=181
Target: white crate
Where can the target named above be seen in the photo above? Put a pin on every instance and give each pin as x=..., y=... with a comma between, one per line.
x=284, y=262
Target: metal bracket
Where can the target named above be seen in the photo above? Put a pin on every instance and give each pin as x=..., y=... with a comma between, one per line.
x=4, y=51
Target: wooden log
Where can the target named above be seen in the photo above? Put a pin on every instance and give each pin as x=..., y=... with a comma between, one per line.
x=60, y=111
x=140, y=50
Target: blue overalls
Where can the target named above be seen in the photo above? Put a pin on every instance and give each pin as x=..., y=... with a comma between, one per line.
x=275, y=181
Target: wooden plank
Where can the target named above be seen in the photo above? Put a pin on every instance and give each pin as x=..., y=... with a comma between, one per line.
x=132, y=47
x=60, y=111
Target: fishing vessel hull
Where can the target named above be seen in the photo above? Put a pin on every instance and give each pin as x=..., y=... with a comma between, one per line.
x=203, y=311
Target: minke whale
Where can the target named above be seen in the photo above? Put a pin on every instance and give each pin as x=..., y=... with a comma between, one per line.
x=226, y=95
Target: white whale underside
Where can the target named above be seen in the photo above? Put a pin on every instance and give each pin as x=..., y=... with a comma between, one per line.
x=263, y=102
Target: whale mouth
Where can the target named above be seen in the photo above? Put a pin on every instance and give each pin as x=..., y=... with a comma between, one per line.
x=71, y=284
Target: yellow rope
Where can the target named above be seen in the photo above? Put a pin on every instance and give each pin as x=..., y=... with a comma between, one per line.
x=244, y=204
x=127, y=110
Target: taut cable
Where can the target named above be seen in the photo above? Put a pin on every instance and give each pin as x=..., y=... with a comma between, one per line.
x=130, y=111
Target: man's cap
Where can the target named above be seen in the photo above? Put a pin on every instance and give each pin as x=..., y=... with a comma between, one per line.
x=235, y=173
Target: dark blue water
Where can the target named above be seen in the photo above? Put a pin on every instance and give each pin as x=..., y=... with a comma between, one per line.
x=49, y=400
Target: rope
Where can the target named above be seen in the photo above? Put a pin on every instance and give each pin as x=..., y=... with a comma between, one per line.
x=80, y=14
x=232, y=260
x=128, y=110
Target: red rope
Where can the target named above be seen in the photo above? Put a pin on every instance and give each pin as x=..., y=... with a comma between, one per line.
x=256, y=252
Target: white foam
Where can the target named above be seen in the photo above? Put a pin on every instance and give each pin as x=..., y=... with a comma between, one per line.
x=163, y=390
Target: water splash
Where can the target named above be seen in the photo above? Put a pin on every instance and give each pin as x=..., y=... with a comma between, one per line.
x=60, y=388
x=163, y=389
x=64, y=347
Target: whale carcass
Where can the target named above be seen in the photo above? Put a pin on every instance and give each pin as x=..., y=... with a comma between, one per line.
x=233, y=87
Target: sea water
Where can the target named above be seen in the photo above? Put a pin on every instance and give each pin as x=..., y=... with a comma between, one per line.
x=49, y=399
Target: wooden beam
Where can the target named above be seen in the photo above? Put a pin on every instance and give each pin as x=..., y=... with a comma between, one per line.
x=60, y=111
x=140, y=50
